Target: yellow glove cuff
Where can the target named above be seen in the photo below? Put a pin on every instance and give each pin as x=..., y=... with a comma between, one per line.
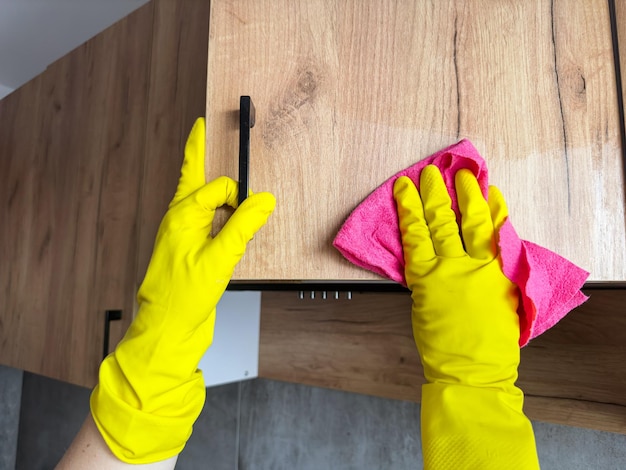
x=124, y=427
x=476, y=428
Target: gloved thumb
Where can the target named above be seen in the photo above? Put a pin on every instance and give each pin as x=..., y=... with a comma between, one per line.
x=192, y=171
x=248, y=219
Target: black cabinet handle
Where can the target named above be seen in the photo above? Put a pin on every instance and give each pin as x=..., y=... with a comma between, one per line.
x=109, y=316
x=247, y=116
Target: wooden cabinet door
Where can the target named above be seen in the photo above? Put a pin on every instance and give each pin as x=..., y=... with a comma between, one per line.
x=71, y=155
x=349, y=92
x=90, y=153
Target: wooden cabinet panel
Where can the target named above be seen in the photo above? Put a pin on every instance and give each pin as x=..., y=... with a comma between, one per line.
x=73, y=179
x=90, y=154
x=22, y=247
x=573, y=374
x=363, y=345
x=176, y=98
x=349, y=92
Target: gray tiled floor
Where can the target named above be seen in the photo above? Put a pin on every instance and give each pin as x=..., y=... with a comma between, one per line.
x=10, y=399
x=263, y=424
x=213, y=443
x=565, y=447
x=287, y=426
x=51, y=415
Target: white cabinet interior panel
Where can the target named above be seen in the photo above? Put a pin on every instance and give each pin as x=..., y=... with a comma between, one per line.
x=234, y=354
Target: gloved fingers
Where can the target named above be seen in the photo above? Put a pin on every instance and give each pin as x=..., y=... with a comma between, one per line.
x=248, y=219
x=476, y=223
x=416, y=241
x=497, y=207
x=197, y=210
x=221, y=191
x=440, y=217
x=192, y=172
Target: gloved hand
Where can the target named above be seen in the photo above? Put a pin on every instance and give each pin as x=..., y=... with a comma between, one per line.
x=465, y=325
x=150, y=391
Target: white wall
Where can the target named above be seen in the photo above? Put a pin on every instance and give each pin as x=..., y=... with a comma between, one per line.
x=34, y=33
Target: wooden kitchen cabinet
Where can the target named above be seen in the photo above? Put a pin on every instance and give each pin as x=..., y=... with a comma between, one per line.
x=90, y=153
x=573, y=374
x=349, y=92
x=340, y=108
x=71, y=185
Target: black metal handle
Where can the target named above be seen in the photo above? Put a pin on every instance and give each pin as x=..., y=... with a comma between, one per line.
x=247, y=116
x=109, y=316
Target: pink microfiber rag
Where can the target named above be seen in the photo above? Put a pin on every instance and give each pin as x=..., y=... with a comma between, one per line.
x=549, y=284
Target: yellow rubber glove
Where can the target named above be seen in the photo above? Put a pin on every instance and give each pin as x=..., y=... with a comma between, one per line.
x=465, y=326
x=150, y=392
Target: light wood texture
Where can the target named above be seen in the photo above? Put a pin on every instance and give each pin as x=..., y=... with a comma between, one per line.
x=69, y=233
x=573, y=374
x=362, y=345
x=349, y=92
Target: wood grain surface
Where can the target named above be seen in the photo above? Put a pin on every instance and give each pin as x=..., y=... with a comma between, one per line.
x=22, y=249
x=349, y=92
x=90, y=154
x=70, y=230
x=177, y=97
x=573, y=374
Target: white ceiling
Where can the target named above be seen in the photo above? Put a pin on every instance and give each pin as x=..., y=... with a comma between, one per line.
x=34, y=33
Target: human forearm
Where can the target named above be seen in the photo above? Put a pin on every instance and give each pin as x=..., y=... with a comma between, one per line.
x=88, y=450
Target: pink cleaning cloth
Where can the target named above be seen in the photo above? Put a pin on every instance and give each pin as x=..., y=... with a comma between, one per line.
x=549, y=284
